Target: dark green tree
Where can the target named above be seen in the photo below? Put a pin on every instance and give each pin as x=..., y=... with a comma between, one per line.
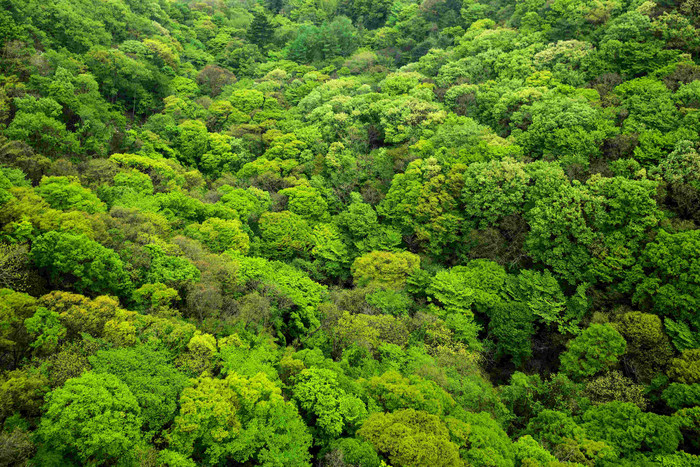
x=261, y=29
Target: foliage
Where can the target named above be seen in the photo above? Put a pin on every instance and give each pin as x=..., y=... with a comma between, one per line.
x=335, y=233
x=597, y=348
x=332, y=409
x=410, y=437
x=239, y=419
x=77, y=260
x=93, y=418
x=671, y=283
x=512, y=326
x=153, y=381
x=385, y=268
x=627, y=428
x=220, y=235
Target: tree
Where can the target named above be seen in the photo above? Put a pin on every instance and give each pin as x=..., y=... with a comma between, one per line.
x=75, y=261
x=248, y=359
x=648, y=348
x=545, y=299
x=596, y=349
x=479, y=283
x=565, y=128
x=212, y=79
x=307, y=202
x=22, y=393
x=201, y=355
x=682, y=337
x=80, y=314
x=679, y=396
x=136, y=84
x=370, y=332
x=238, y=419
x=67, y=194
x=260, y=29
x=15, y=309
x=681, y=171
x=563, y=437
x=593, y=232
x=70, y=362
x=173, y=271
x=481, y=439
x=363, y=232
x=193, y=141
x=512, y=326
x=392, y=392
x=327, y=406
x=390, y=302
x=295, y=296
x=221, y=235
x=686, y=369
x=650, y=106
x=37, y=124
x=493, y=190
x=312, y=43
x=411, y=437
x=46, y=329
x=359, y=220
x=529, y=452
x=624, y=426
x=92, y=419
x=352, y=451
x=84, y=110
x=284, y=235
x=424, y=201
x=384, y=268
x=371, y=14
x=330, y=252
x=155, y=298
x=17, y=446
x=671, y=283
x=249, y=203
x=5, y=184
x=225, y=154
x=613, y=386
x=150, y=377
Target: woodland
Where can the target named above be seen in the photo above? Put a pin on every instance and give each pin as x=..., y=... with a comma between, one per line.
x=340, y=233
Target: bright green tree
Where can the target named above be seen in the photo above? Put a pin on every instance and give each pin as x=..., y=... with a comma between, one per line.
x=37, y=124
x=671, y=284
x=307, y=202
x=384, y=268
x=67, y=194
x=193, y=141
x=77, y=262
x=411, y=437
x=221, y=235
x=327, y=406
x=46, y=328
x=240, y=420
x=151, y=378
x=624, y=426
x=596, y=349
x=92, y=419
x=494, y=190
x=284, y=235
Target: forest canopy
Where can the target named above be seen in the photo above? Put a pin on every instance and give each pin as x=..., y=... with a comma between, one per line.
x=350, y=233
